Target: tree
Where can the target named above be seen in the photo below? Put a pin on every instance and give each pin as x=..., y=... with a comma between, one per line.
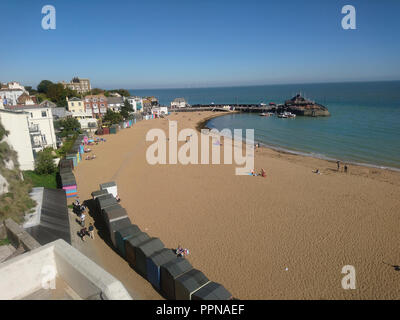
x=67, y=126
x=112, y=117
x=96, y=91
x=44, y=163
x=126, y=109
x=43, y=86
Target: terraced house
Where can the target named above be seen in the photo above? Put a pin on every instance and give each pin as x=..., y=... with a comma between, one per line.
x=96, y=105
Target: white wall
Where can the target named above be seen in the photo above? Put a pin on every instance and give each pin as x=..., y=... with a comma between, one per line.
x=24, y=274
x=19, y=138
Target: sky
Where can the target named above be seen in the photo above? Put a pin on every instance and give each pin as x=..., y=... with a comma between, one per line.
x=187, y=43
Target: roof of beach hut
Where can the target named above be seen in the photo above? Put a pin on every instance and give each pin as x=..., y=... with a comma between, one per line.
x=189, y=282
x=212, y=291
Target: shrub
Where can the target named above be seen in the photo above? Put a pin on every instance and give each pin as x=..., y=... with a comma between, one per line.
x=44, y=163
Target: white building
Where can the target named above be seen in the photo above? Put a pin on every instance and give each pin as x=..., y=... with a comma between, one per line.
x=40, y=125
x=19, y=137
x=179, y=103
x=10, y=92
x=115, y=103
x=136, y=102
x=158, y=111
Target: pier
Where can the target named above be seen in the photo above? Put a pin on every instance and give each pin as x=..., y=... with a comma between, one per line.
x=228, y=108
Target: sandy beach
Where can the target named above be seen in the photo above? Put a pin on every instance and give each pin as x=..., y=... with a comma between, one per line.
x=286, y=236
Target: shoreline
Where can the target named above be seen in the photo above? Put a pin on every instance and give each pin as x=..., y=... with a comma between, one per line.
x=203, y=125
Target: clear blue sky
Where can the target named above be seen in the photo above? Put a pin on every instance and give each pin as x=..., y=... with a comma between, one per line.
x=187, y=43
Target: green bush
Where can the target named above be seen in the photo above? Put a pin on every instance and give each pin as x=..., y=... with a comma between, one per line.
x=44, y=163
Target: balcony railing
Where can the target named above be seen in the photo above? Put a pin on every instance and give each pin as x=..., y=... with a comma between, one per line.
x=34, y=128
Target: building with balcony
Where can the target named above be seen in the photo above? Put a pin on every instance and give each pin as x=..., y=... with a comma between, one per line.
x=96, y=105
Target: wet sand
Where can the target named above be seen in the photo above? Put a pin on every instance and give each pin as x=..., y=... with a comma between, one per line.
x=286, y=236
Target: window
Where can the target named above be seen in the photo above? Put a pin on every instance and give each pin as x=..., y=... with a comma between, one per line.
x=79, y=104
x=101, y=100
x=94, y=100
x=88, y=106
x=31, y=115
x=72, y=104
x=44, y=114
x=95, y=105
x=102, y=104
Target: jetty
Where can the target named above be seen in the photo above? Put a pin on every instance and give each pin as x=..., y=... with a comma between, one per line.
x=298, y=105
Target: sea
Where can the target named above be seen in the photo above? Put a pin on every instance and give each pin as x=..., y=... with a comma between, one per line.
x=364, y=126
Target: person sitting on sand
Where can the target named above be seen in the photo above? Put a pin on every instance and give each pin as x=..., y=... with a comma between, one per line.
x=317, y=171
x=180, y=252
x=263, y=173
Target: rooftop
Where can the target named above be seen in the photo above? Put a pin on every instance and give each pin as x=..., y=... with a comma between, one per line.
x=57, y=271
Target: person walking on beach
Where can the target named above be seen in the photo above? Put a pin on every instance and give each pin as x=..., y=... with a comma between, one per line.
x=338, y=165
x=91, y=230
x=345, y=168
x=83, y=219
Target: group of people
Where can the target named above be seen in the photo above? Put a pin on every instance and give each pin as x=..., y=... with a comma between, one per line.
x=80, y=210
x=87, y=232
x=344, y=168
x=263, y=173
x=181, y=252
x=90, y=157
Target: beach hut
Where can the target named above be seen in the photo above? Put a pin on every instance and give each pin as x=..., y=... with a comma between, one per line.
x=113, y=213
x=131, y=244
x=111, y=187
x=123, y=235
x=145, y=250
x=118, y=225
x=169, y=272
x=212, y=291
x=105, y=201
x=106, y=130
x=66, y=164
x=154, y=262
x=188, y=283
x=98, y=193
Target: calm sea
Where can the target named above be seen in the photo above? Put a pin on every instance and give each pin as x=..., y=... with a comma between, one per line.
x=364, y=126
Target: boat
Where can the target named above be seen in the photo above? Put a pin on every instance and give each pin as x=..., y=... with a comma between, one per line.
x=262, y=114
x=286, y=115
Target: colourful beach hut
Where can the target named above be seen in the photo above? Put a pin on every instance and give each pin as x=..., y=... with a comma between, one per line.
x=131, y=244
x=188, y=283
x=154, y=262
x=169, y=272
x=123, y=235
x=145, y=250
